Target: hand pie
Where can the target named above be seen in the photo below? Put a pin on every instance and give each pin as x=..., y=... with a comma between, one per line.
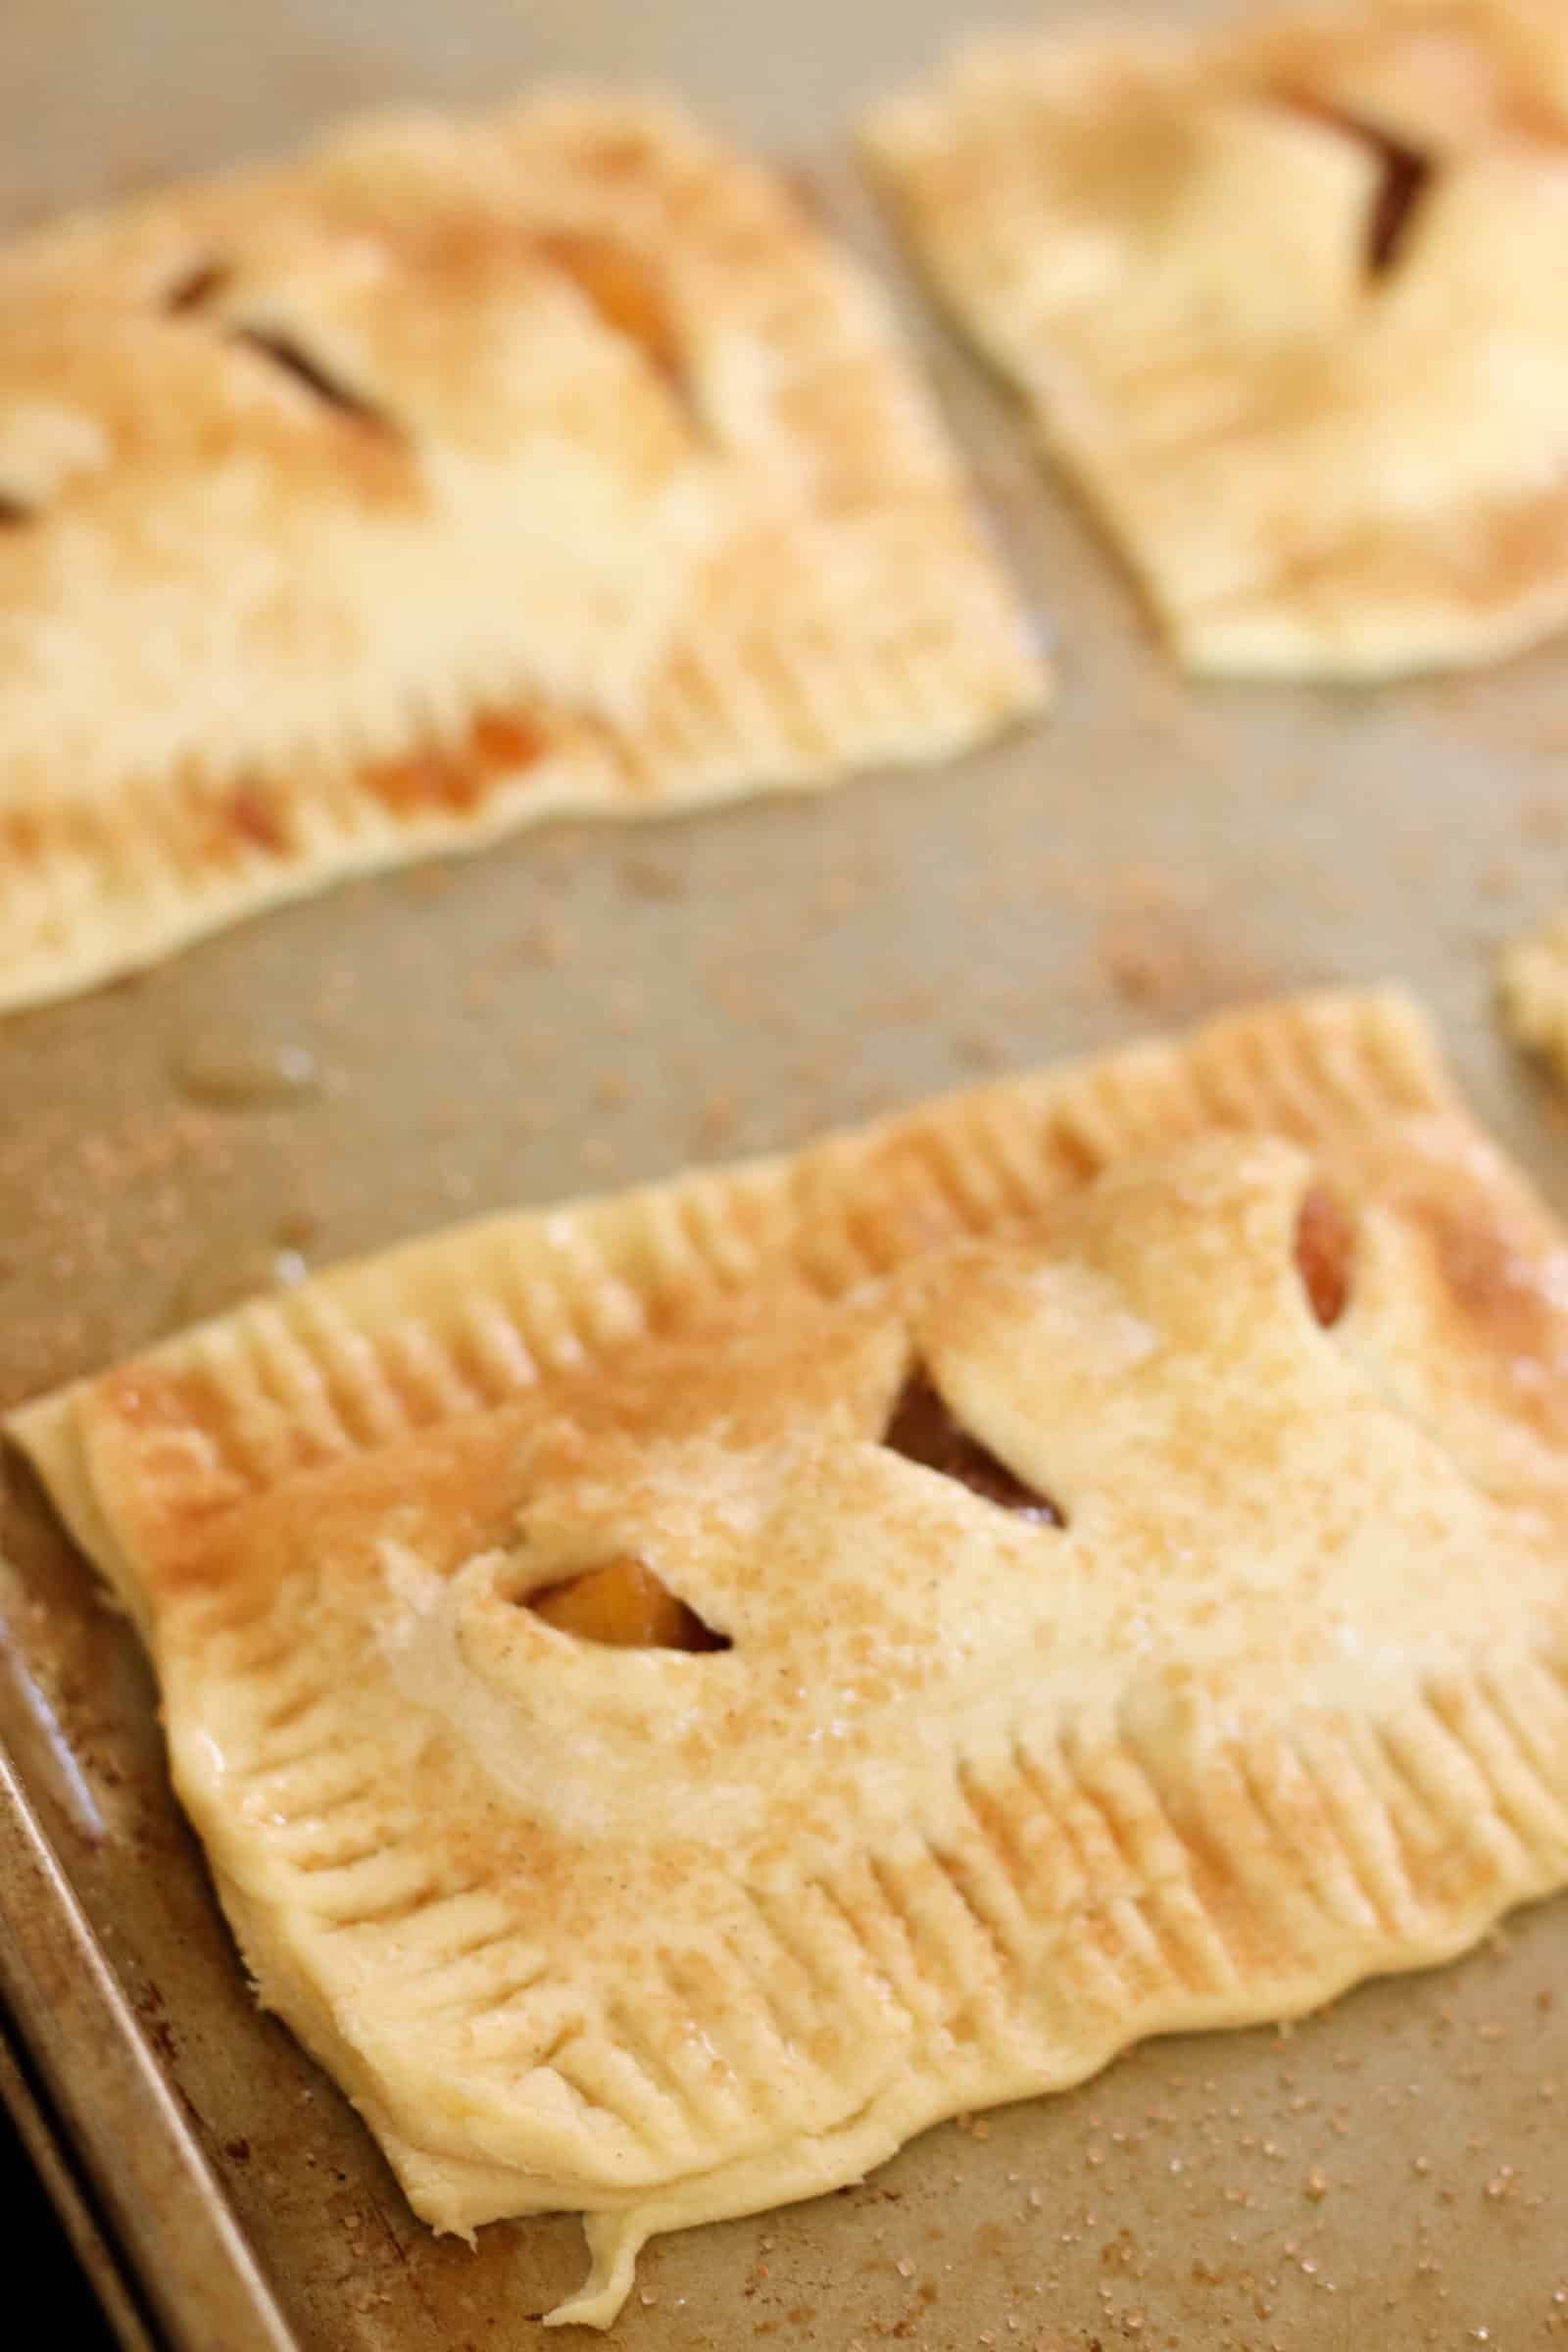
x=460, y=474
x=1533, y=992
x=683, y=1692
x=1286, y=301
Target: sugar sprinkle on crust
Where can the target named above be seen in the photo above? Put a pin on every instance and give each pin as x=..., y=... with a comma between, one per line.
x=850, y=1795
x=1284, y=301
x=461, y=472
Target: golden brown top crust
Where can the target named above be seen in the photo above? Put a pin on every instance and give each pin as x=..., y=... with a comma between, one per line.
x=1223, y=1461
x=457, y=472
x=1445, y=76
x=340, y=353
x=1284, y=297
x=667, y=1286
x=1103, y=1546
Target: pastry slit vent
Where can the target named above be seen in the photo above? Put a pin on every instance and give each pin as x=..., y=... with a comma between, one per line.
x=617, y=288
x=923, y=1428
x=196, y=287
x=294, y=360
x=13, y=511
x=1325, y=1250
x=1405, y=176
x=624, y=1605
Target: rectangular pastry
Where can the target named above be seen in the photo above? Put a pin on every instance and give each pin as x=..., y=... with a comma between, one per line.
x=460, y=472
x=683, y=1692
x=1285, y=296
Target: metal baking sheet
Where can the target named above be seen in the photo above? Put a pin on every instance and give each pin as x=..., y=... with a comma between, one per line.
x=590, y=1007
x=38, y=2178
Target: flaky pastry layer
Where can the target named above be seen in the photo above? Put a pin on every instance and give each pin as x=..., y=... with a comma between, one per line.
x=1217, y=1655
x=458, y=473
x=1286, y=301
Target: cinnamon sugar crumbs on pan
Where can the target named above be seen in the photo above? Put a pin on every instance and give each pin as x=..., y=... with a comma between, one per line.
x=714, y=1126
x=547, y=943
x=133, y=1150
x=1166, y=960
x=625, y=1011
x=1542, y=814
x=650, y=877
x=91, y=1199
x=905, y=1006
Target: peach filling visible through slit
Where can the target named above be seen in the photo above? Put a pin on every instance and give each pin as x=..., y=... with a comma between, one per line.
x=459, y=776
x=457, y=779
x=624, y=1605
x=923, y=1429
x=1324, y=1242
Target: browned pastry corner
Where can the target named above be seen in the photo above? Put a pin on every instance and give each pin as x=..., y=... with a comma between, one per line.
x=461, y=472
x=1287, y=302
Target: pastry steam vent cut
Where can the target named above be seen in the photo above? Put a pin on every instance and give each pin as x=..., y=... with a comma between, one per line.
x=461, y=473
x=683, y=1692
x=1286, y=301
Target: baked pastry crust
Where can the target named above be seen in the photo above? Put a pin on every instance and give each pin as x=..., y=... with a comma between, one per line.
x=1285, y=302
x=458, y=473
x=1274, y=1694
x=1533, y=992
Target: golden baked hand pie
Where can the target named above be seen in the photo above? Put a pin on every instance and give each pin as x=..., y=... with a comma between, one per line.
x=1286, y=300
x=1533, y=992
x=682, y=1692
x=458, y=473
